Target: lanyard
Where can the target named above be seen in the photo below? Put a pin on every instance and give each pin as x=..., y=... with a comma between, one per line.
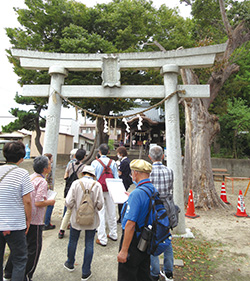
x=143, y=183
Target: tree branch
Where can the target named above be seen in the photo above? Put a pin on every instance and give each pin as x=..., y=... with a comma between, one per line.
x=225, y=20
x=188, y=2
x=158, y=45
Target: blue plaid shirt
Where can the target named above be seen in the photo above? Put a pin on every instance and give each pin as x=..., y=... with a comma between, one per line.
x=162, y=178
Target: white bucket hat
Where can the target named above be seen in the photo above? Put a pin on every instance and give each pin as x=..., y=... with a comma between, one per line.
x=90, y=170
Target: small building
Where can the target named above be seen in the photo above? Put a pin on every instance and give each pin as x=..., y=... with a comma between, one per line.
x=151, y=130
x=65, y=143
x=22, y=135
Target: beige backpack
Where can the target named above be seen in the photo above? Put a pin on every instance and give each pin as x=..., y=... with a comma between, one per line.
x=86, y=212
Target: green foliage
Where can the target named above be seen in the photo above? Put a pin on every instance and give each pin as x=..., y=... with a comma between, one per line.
x=27, y=119
x=71, y=27
x=119, y=26
x=208, y=22
x=235, y=127
x=111, y=144
x=238, y=11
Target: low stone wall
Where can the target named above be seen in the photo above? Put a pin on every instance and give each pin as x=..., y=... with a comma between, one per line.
x=235, y=167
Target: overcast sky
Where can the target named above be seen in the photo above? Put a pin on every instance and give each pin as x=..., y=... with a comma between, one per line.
x=8, y=79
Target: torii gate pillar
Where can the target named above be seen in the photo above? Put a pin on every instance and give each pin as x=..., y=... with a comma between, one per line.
x=54, y=113
x=170, y=73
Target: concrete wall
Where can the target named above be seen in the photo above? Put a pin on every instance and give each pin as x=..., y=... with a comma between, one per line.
x=235, y=167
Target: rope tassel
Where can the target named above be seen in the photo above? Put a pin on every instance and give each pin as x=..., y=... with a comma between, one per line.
x=126, y=123
x=105, y=129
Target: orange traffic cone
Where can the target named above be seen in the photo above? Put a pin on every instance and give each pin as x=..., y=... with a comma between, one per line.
x=190, y=208
x=241, y=211
x=223, y=195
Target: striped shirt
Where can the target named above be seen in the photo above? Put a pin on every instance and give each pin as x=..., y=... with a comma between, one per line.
x=162, y=178
x=13, y=187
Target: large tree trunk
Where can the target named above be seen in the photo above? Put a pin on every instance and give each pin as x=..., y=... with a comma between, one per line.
x=201, y=127
x=38, y=131
x=100, y=136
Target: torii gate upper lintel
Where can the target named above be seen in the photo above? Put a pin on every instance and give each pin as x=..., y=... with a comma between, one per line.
x=110, y=64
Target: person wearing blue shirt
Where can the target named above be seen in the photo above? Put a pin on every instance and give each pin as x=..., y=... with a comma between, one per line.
x=108, y=211
x=134, y=265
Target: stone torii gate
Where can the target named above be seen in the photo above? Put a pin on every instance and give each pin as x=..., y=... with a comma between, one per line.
x=169, y=63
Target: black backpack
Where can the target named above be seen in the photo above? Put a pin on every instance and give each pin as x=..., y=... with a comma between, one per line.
x=71, y=179
x=172, y=210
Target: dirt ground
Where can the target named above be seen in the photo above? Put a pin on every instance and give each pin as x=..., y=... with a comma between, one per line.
x=233, y=232
x=214, y=225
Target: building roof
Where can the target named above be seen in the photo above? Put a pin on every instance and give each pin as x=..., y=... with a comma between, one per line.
x=154, y=114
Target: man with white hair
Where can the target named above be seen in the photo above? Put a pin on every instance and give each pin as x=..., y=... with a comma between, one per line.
x=162, y=178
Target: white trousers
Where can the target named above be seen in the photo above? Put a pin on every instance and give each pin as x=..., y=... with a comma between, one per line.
x=66, y=219
x=107, y=213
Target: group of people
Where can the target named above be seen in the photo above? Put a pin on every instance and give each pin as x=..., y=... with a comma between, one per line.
x=23, y=202
x=22, y=227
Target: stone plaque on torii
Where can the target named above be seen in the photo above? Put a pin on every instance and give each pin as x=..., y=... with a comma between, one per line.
x=169, y=63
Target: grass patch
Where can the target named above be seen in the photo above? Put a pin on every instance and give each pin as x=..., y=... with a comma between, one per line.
x=200, y=258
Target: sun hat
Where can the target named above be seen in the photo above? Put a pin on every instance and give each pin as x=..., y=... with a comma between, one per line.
x=89, y=169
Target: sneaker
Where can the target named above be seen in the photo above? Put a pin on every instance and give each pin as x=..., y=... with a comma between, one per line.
x=70, y=268
x=166, y=277
x=86, y=277
x=111, y=238
x=6, y=278
x=61, y=234
x=49, y=227
x=99, y=243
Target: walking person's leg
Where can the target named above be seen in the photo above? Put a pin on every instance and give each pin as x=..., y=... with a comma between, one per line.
x=34, y=241
x=168, y=264
x=64, y=223
x=73, y=240
x=101, y=230
x=2, y=248
x=88, y=253
x=48, y=214
x=16, y=241
x=155, y=266
x=111, y=218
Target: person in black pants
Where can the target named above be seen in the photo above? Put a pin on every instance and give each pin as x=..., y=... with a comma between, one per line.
x=42, y=167
x=124, y=172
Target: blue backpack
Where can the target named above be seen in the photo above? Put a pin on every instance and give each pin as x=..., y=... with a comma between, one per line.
x=160, y=235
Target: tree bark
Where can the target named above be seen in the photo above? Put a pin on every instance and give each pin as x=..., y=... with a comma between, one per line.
x=38, y=131
x=100, y=136
x=201, y=127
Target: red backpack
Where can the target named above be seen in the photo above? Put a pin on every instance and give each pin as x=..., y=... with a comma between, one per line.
x=106, y=174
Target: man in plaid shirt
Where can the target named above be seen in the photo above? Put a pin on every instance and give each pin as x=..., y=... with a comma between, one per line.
x=162, y=178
